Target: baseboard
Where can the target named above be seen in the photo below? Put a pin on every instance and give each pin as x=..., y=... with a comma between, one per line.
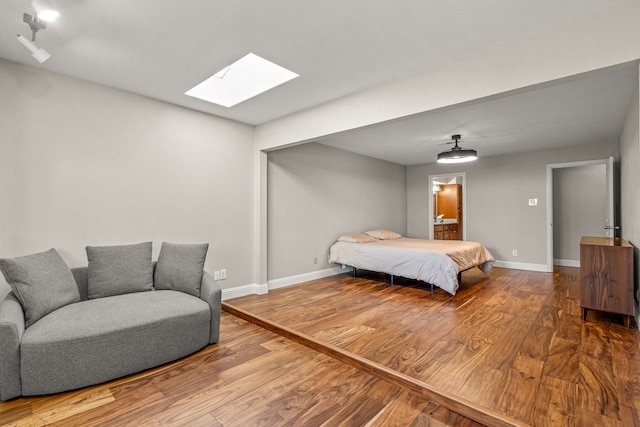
x=521, y=266
x=261, y=289
x=240, y=291
x=305, y=277
x=567, y=262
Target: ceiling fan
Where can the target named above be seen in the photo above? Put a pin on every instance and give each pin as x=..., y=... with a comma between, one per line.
x=457, y=154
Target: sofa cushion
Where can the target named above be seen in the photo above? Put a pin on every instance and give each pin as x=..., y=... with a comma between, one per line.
x=93, y=341
x=116, y=270
x=180, y=267
x=42, y=283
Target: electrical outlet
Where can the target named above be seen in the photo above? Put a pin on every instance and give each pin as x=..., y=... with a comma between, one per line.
x=216, y=275
x=533, y=202
x=315, y=260
x=514, y=252
x=223, y=274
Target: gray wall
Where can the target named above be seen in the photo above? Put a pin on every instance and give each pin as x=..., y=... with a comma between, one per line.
x=317, y=193
x=579, y=208
x=498, y=189
x=84, y=164
x=630, y=184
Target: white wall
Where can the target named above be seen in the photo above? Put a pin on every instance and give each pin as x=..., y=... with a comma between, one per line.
x=630, y=184
x=317, y=193
x=83, y=164
x=579, y=208
x=498, y=189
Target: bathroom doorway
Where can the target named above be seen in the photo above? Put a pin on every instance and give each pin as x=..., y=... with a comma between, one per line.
x=447, y=216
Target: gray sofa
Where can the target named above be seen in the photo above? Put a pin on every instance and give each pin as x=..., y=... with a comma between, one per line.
x=95, y=340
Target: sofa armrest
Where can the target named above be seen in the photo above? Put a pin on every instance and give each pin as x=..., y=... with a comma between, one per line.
x=11, y=331
x=211, y=293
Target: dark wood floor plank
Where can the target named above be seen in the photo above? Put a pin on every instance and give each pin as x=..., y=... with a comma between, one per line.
x=518, y=388
x=554, y=403
x=401, y=411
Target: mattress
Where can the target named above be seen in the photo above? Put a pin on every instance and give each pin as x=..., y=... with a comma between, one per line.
x=436, y=262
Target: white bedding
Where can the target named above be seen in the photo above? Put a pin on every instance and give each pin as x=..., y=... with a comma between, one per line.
x=436, y=262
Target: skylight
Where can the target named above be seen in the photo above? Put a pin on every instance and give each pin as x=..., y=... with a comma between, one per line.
x=244, y=79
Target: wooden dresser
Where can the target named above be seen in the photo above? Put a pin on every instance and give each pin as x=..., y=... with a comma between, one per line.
x=606, y=276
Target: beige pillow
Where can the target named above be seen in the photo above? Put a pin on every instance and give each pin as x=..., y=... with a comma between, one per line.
x=383, y=234
x=357, y=238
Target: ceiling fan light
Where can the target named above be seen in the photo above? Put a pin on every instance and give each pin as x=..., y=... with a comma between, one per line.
x=458, y=156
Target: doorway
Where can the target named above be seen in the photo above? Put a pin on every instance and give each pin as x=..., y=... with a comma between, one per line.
x=447, y=215
x=580, y=202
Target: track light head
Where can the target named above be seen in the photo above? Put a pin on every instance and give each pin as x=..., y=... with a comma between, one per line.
x=38, y=53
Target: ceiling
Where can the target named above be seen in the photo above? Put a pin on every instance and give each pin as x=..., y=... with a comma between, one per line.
x=588, y=110
x=162, y=48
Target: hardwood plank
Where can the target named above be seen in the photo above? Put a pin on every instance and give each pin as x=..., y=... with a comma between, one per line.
x=401, y=411
x=520, y=383
x=554, y=403
x=439, y=416
x=537, y=343
x=122, y=412
x=483, y=385
x=13, y=411
x=562, y=360
x=61, y=409
x=596, y=387
x=358, y=412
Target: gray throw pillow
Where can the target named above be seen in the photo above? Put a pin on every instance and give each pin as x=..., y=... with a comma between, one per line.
x=116, y=270
x=180, y=267
x=42, y=283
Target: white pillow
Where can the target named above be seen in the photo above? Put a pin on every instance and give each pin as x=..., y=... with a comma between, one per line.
x=357, y=238
x=383, y=234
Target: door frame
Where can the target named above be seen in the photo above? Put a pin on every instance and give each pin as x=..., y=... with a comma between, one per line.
x=463, y=175
x=610, y=179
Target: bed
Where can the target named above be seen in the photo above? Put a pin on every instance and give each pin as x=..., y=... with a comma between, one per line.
x=436, y=262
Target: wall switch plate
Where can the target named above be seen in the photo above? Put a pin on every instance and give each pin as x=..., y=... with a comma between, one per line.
x=223, y=274
x=533, y=202
x=216, y=275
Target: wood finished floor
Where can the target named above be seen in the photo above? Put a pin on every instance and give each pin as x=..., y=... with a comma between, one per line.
x=252, y=377
x=513, y=342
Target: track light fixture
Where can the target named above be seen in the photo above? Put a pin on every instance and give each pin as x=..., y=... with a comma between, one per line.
x=38, y=53
x=43, y=12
